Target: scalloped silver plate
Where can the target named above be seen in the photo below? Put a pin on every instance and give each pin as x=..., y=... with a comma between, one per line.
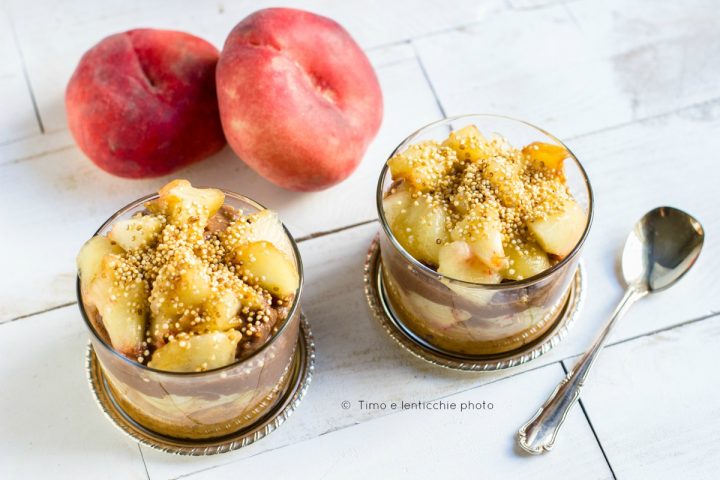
x=375, y=293
x=301, y=376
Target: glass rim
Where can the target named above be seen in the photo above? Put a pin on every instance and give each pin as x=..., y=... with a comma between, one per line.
x=134, y=363
x=379, y=196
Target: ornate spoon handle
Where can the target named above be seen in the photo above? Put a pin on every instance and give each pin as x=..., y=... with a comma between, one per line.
x=539, y=433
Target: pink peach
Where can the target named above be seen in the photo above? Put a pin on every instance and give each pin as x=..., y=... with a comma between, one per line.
x=299, y=100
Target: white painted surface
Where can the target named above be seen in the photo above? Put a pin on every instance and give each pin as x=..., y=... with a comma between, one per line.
x=579, y=67
x=438, y=444
x=655, y=403
x=589, y=71
x=50, y=426
x=663, y=161
x=35, y=146
x=19, y=119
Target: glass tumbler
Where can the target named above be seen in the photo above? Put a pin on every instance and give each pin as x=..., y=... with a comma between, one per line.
x=199, y=405
x=471, y=319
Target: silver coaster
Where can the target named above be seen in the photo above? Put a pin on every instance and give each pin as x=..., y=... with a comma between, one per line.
x=376, y=297
x=300, y=378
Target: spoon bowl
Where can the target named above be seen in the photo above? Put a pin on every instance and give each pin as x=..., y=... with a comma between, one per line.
x=664, y=244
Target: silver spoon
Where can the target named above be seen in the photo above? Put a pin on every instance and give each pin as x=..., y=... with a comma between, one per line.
x=663, y=246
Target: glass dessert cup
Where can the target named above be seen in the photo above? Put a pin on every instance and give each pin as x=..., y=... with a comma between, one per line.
x=199, y=405
x=467, y=319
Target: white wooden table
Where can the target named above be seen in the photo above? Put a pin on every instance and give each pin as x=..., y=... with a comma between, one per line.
x=634, y=88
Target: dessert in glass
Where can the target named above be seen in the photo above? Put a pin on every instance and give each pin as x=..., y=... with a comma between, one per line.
x=192, y=301
x=483, y=221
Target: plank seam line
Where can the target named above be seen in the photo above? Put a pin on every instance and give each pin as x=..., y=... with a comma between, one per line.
x=427, y=79
x=395, y=62
x=636, y=337
x=39, y=155
x=19, y=139
x=311, y=236
x=39, y=312
x=29, y=136
x=324, y=233
x=142, y=457
x=571, y=15
x=508, y=7
x=685, y=323
x=540, y=6
x=25, y=73
x=592, y=428
x=649, y=118
x=320, y=234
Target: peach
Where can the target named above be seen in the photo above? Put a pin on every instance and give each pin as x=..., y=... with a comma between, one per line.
x=299, y=100
x=142, y=103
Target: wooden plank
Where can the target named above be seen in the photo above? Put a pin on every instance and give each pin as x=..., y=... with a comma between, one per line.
x=64, y=197
x=18, y=117
x=438, y=444
x=654, y=404
x=77, y=26
x=50, y=424
x=580, y=67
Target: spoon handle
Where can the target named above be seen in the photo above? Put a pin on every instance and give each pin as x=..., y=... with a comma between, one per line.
x=539, y=433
